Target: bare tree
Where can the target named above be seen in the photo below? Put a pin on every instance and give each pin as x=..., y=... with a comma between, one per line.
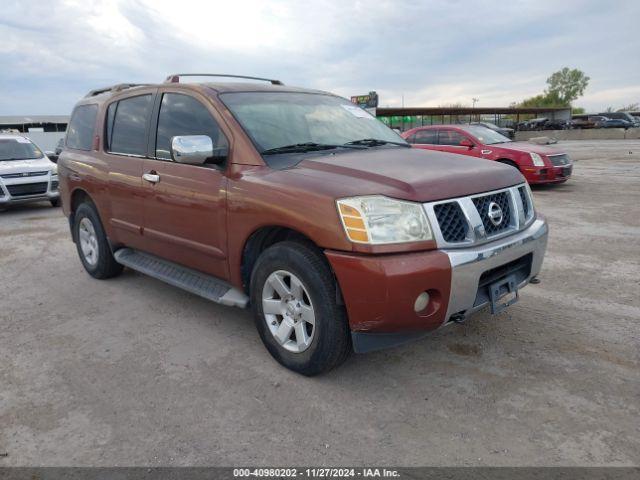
x=632, y=107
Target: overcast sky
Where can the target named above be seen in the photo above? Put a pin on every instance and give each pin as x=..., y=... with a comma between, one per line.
x=432, y=52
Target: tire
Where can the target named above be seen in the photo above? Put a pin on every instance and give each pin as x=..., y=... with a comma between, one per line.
x=90, y=237
x=329, y=337
x=55, y=202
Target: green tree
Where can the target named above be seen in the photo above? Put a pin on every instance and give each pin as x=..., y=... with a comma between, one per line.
x=542, y=100
x=578, y=110
x=567, y=84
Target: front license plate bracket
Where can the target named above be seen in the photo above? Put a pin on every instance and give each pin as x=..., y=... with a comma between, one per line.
x=505, y=287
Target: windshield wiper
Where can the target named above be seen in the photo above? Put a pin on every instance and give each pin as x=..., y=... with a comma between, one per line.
x=374, y=142
x=304, y=147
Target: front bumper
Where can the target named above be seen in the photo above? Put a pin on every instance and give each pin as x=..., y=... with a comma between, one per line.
x=48, y=192
x=520, y=254
x=550, y=174
x=379, y=291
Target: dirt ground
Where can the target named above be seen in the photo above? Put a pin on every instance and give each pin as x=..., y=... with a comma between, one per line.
x=131, y=371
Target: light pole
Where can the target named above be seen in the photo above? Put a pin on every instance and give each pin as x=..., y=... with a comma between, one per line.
x=474, y=100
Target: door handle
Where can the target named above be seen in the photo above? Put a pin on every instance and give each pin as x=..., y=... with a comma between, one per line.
x=151, y=177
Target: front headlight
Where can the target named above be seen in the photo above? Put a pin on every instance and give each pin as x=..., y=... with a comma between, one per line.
x=537, y=159
x=377, y=220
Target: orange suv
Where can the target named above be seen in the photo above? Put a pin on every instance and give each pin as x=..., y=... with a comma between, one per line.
x=299, y=204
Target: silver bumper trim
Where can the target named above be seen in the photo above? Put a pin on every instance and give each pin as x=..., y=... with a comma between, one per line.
x=468, y=264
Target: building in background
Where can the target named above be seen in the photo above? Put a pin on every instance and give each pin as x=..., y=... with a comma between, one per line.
x=44, y=130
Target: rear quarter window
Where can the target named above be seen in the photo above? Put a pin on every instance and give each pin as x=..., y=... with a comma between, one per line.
x=81, y=127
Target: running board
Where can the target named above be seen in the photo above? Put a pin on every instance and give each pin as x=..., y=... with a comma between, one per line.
x=201, y=284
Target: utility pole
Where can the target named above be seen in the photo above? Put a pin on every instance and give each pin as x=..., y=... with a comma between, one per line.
x=474, y=100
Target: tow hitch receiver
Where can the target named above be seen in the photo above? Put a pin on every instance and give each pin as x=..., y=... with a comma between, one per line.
x=506, y=287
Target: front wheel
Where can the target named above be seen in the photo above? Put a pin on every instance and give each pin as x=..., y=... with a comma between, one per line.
x=293, y=294
x=55, y=202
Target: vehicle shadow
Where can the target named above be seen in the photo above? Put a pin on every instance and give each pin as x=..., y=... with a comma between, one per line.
x=22, y=208
x=565, y=187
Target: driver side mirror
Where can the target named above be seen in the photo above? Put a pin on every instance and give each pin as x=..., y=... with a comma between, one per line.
x=196, y=150
x=465, y=142
x=52, y=156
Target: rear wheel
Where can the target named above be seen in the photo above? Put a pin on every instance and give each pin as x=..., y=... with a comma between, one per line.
x=92, y=245
x=293, y=294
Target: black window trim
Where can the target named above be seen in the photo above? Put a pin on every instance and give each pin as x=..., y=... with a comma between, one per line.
x=75, y=109
x=154, y=94
x=153, y=127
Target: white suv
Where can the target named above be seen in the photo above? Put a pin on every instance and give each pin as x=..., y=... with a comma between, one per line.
x=26, y=174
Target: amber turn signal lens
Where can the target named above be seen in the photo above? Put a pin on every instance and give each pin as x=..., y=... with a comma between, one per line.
x=357, y=235
x=353, y=222
x=347, y=210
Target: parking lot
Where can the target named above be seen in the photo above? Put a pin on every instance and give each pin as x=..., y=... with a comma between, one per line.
x=131, y=371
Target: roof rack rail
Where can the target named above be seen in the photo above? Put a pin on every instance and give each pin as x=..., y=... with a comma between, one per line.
x=114, y=88
x=175, y=78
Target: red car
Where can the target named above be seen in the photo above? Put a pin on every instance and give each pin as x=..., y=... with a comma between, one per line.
x=538, y=163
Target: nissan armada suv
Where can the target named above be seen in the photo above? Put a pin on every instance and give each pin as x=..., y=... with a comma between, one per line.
x=296, y=203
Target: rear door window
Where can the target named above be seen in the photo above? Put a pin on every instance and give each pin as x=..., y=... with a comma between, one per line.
x=450, y=137
x=128, y=135
x=81, y=127
x=184, y=115
x=426, y=137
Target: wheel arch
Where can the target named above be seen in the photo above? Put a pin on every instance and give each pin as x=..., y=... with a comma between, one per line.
x=509, y=161
x=78, y=196
x=261, y=239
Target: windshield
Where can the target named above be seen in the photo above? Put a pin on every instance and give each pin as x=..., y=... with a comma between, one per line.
x=18, y=148
x=486, y=135
x=275, y=120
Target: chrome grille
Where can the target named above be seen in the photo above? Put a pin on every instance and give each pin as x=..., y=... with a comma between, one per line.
x=559, y=160
x=464, y=221
x=452, y=223
x=502, y=200
x=524, y=199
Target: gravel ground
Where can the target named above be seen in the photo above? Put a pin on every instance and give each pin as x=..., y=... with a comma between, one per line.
x=131, y=371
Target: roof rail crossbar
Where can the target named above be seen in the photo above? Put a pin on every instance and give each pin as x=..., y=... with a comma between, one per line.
x=114, y=88
x=175, y=78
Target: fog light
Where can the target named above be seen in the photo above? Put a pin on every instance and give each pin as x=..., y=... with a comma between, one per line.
x=421, y=302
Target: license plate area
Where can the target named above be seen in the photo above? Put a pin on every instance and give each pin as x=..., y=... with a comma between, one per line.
x=503, y=293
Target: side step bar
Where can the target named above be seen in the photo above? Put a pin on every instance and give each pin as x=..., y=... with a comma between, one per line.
x=199, y=283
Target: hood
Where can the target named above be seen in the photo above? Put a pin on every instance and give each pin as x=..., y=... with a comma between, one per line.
x=26, y=166
x=407, y=173
x=528, y=147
